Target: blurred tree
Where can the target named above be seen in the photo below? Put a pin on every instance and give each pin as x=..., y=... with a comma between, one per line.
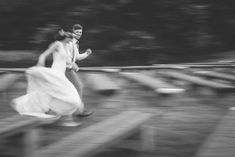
x=124, y=31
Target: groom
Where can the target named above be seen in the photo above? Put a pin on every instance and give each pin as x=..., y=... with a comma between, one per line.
x=72, y=67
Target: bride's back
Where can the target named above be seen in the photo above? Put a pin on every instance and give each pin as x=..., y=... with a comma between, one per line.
x=60, y=57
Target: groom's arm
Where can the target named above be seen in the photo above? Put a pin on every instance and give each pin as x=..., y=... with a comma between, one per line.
x=84, y=55
x=80, y=56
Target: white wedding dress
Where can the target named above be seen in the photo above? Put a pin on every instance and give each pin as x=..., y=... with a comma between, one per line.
x=49, y=89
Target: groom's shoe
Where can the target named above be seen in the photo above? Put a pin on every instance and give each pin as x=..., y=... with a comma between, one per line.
x=85, y=113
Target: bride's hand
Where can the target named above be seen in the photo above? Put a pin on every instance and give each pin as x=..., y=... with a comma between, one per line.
x=75, y=67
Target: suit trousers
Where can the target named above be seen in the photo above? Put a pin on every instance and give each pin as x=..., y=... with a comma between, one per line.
x=76, y=81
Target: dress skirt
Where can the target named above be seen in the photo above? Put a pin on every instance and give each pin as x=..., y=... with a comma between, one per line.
x=48, y=89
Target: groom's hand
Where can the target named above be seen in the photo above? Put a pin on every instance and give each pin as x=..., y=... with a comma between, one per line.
x=88, y=51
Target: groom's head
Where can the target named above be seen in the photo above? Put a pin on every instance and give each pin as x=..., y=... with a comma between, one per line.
x=77, y=31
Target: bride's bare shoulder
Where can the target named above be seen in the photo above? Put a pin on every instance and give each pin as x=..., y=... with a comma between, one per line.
x=58, y=43
x=55, y=44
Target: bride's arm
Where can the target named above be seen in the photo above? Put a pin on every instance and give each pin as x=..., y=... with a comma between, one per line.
x=42, y=58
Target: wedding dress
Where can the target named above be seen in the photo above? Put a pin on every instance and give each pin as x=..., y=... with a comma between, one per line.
x=49, y=89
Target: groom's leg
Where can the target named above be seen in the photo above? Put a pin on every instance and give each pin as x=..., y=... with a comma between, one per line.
x=74, y=78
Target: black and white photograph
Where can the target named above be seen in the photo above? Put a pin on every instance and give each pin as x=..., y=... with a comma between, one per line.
x=117, y=78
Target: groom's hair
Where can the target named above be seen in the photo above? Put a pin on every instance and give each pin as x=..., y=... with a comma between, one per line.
x=77, y=26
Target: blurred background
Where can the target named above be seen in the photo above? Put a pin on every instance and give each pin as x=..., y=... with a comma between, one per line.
x=134, y=32
x=120, y=32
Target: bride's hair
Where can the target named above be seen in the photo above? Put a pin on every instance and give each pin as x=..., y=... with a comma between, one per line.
x=61, y=35
x=77, y=26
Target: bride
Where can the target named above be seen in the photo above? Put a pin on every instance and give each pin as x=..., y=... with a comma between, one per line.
x=48, y=89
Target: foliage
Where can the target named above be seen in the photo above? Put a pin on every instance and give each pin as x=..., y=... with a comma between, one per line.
x=123, y=31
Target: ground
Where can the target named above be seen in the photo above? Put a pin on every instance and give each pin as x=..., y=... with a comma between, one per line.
x=185, y=122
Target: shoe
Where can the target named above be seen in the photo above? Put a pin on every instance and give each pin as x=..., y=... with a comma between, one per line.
x=85, y=113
